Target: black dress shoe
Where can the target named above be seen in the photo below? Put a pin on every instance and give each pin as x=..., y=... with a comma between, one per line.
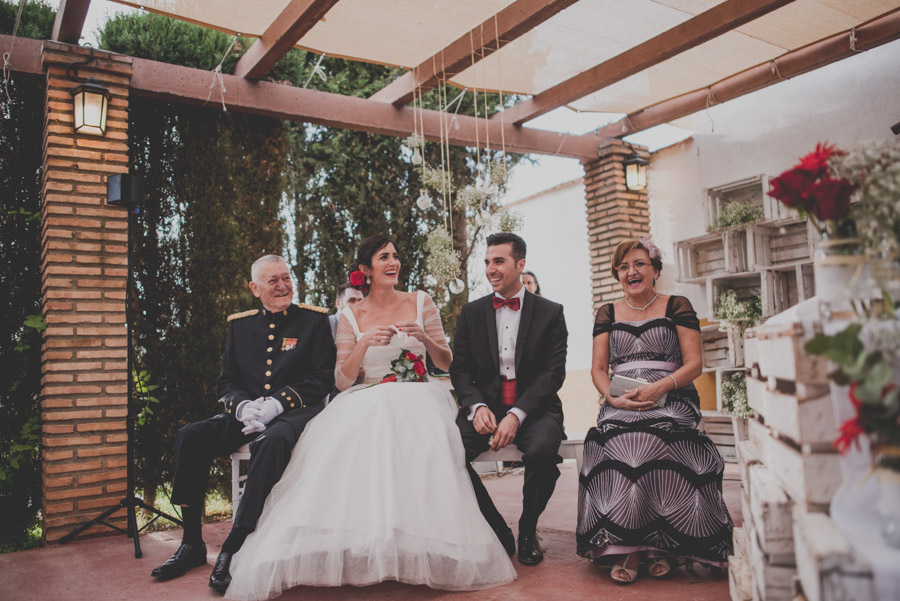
x=506, y=539
x=530, y=552
x=186, y=557
x=221, y=574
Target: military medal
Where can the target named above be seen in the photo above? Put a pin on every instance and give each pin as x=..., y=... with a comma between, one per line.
x=288, y=344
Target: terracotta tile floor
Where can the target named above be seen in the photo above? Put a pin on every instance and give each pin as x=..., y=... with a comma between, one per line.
x=104, y=568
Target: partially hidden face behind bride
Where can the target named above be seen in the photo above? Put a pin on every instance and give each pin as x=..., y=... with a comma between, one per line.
x=376, y=488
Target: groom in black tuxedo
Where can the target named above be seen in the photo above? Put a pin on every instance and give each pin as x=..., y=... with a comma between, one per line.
x=509, y=362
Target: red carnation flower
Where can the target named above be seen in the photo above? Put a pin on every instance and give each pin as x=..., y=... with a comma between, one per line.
x=390, y=378
x=817, y=161
x=419, y=368
x=357, y=278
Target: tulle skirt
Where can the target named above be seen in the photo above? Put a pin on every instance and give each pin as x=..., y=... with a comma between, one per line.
x=376, y=490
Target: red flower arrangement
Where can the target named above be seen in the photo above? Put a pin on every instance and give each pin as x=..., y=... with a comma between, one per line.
x=852, y=428
x=811, y=188
x=408, y=367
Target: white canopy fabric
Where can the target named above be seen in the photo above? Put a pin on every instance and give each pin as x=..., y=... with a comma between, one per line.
x=405, y=33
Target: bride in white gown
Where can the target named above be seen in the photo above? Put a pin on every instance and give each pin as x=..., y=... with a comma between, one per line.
x=376, y=488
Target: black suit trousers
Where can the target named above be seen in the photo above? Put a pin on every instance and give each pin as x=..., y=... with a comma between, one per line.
x=198, y=443
x=538, y=439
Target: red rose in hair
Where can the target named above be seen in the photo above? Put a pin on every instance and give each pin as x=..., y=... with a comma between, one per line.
x=419, y=368
x=357, y=278
x=390, y=378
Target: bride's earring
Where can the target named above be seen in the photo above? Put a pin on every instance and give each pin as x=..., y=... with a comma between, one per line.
x=368, y=281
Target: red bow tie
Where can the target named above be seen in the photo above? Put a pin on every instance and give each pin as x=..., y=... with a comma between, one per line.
x=512, y=303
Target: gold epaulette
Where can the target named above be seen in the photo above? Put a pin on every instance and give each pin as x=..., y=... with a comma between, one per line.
x=243, y=314
x=313, y=308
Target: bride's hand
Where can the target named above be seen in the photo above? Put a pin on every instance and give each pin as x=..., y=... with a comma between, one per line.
x=378, y=336
x=411, y=328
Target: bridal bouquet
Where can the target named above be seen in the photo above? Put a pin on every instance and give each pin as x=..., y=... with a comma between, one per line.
x=408, y=367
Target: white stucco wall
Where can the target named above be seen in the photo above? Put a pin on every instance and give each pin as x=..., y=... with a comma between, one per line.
x=556, y=233
x=845, y=103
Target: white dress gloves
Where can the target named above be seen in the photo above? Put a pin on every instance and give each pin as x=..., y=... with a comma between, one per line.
x=258, y=413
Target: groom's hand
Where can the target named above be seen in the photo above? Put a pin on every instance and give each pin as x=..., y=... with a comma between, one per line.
x=506, y=432
x=484, y=421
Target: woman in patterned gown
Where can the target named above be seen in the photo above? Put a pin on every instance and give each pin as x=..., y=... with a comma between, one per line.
x=650, y=489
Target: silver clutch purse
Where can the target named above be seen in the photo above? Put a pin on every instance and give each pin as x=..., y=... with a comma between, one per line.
x=619, y=385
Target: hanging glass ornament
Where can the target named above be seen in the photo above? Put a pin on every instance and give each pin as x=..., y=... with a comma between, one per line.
x=423, y=202
x=456, y=286
x=416, y=158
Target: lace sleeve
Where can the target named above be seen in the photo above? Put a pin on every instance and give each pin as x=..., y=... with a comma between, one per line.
x=606, y=315
x=346, y=342
x=431, y=322
x=682, y=313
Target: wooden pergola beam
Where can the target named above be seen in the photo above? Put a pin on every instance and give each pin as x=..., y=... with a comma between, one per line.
x=707, y=25
x=69, y=21
x=297, y=18
x=26, y=54
x=510, y=23
x=878, y=31
x=174, y=83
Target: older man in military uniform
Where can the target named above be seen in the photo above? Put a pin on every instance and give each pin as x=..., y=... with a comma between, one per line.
x=277, y=368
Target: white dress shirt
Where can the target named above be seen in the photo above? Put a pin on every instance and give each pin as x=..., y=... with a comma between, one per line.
x=507, y=334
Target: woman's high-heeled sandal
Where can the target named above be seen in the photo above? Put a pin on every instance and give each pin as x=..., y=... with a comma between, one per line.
x=626, y=571
x=660, y=568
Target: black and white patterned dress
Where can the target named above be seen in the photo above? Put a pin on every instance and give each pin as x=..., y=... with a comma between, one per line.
x=651, y=481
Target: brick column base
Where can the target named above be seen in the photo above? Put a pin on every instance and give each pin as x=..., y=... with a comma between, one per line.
x=84, y=258
x=614, y=213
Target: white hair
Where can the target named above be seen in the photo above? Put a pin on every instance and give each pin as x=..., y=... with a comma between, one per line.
x=258, y=265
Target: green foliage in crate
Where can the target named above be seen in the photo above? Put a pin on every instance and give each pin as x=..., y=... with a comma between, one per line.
x=734, y=394
x=740, y=313
x=738, y=216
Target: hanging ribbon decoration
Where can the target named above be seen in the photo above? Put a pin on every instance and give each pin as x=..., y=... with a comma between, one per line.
x=217, y=75
x=317, y=70
x=7, y=71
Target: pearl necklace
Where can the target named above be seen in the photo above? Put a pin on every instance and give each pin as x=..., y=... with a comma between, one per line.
x=644, y=308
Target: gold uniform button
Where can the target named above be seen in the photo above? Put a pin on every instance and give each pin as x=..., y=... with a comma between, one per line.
x=271, y=336
x=269, y=350
x=292, y=404
x=268, y=373
x=267, y=386
x=271, y=326
x=283, y=394
x=289, y=398
x=269, y=361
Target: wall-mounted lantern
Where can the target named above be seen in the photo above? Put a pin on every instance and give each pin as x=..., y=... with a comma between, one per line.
x=90, y=101
x=636, y=172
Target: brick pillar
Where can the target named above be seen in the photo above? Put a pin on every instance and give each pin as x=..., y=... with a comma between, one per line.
x=84, y=259
x=614, y=213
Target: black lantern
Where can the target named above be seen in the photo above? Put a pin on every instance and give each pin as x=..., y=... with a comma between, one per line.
x=91, y=102
x=636, y=172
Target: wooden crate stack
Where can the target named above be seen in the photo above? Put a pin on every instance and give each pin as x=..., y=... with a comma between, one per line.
x=788, y=548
